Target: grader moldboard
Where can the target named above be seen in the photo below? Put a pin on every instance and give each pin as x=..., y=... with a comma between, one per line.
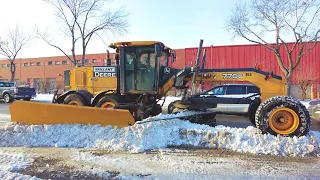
x=129, y=91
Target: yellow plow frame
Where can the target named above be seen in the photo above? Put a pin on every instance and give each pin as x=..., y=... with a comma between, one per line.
x=36, y=113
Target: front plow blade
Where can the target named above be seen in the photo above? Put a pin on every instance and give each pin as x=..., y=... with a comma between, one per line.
x=44, y=113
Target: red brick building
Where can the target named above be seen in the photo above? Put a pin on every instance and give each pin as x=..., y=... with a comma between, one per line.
x=43, y=73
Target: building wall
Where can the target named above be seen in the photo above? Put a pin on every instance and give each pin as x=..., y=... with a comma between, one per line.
x=238, y=56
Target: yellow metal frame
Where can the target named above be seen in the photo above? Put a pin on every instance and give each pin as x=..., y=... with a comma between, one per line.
x=135, y=43
x=45, y=113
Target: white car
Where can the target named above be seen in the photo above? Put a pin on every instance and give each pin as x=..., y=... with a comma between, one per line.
x=233, y=91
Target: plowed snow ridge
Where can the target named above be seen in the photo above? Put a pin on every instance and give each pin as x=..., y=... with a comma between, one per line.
x=158, y=134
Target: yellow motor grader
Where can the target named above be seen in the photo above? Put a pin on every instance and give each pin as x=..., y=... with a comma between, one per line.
x=130, y=90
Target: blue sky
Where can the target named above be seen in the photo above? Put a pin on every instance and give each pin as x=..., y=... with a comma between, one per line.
x=179, y=24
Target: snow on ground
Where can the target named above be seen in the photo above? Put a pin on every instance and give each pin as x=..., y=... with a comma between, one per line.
x=170, y=164
x=11, y=163
x=158, y=134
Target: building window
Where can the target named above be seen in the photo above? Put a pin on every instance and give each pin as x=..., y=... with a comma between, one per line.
x=86, y=61
x=25, y=64
x=78, y=61
x=3, y=65
x=38, y=64
x=94, y=61
x=64, y=62
x=32, y=64
x=8, y=65
x=57, y=62
x=50, y=63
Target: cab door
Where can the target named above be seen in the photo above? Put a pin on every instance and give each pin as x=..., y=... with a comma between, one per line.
x=145, y=77
x=139, y=65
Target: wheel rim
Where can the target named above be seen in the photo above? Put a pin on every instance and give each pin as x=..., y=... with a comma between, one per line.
x=283, y=121
x=108, y=105
x=6, y=98
x=74, y=103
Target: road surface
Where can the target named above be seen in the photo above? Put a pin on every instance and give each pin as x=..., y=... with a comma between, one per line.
x=231, y=121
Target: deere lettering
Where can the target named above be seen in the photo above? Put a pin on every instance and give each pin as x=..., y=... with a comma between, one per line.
x=105, y=71
x=104, y=74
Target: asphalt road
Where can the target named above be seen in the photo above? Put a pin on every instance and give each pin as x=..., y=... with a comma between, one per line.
x=231, y=121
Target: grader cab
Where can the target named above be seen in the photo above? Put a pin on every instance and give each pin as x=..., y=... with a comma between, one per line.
x=129, y=91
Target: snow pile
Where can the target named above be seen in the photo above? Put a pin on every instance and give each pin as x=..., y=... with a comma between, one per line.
x=10, y=163
x=43, y=98
x=159, y=134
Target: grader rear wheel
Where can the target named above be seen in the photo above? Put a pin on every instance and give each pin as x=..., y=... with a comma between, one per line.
x=283, y=115
x=109, y=101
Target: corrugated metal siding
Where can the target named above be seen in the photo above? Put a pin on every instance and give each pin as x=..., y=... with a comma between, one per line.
x=246, y=56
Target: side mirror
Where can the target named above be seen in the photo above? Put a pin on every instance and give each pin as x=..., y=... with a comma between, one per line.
x=157, y=49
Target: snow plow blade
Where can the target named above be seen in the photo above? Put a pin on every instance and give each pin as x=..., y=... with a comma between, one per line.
x=36, y=113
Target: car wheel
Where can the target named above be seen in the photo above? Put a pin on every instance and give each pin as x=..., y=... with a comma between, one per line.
x=7, y=98
x=27, y=99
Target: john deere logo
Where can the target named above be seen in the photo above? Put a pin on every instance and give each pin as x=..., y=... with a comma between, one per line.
x=167, y=70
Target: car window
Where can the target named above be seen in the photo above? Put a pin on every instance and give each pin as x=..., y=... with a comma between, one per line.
x=5, y=84
x=253, y=89
x=217, y=91
x=236, y=90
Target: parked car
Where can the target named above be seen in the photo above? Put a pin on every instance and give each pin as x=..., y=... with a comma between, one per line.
x=314, y=109
x=233, y=91
x=9, y=92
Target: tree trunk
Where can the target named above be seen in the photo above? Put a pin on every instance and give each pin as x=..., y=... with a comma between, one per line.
x=288, y=85
x=12, y=70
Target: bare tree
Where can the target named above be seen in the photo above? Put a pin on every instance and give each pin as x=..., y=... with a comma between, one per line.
x=280, y=20
x=82, y=19
x=10, y=46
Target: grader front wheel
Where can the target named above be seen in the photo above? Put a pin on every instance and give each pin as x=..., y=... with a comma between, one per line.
x=283, y=115
x=75, y=100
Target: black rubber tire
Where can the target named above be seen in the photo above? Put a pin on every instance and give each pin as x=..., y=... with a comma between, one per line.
x=252, y=111
x=115, y=99
x=26, y=99
x=157, y=109
x=10, y=98
x=266, y=107
x=75, y=97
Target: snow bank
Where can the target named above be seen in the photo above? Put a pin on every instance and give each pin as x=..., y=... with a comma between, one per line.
x=43, y=98
x=11, y=162
x=158, y=134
